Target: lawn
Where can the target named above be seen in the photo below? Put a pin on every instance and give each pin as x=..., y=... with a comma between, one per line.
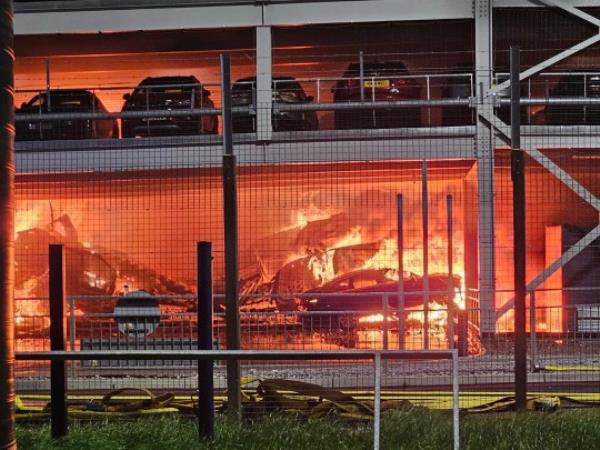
x=412, y=429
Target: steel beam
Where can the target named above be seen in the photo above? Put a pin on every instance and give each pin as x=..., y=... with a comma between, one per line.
x=571, y=9
x=563, y=176
x=79, y=158
x=94, y=16
x=485, y=161
x=264, y=85
x=547, y=63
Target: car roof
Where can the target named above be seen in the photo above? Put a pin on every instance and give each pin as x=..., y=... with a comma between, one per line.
x=68, y=92
x=278, y=78
x=188, y=79
x=372, y=66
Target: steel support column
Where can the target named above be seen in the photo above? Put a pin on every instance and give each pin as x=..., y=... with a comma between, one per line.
x=518, y=181
x=264, y=80
x=7, y=177
x=58, y=339
x=232, y=314
x=204, y=280
x=485, y=162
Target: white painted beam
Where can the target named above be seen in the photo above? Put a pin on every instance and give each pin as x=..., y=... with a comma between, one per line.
x=366, y=11
x=149, y=154
x=208, y=17
x=571, y=9
x=547, y=63
x=264, y=84
x=485, y=162
x=107, y=21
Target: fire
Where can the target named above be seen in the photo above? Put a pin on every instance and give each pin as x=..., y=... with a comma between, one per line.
x=322, y=265
x=385, y=258
x=374, y=318
x=459, y=299
x=25, y=220
x=302, y=217
x=437, y=315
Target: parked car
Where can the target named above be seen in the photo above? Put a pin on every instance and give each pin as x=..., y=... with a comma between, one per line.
x=584, y=86
x=65, y=101
x=285, y=90
x=364, y=287
x=382, y=81
x=168, y=93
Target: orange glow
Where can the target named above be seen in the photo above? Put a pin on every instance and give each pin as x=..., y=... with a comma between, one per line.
x=373, y=318
x=552, y=300
x=322, y=265
x=24, y=220
x=302, y=217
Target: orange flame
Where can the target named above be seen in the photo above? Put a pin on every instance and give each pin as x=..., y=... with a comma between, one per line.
x=373, y=318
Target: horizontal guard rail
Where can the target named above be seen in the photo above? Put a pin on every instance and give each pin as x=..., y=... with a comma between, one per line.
x=286, y=107
x=567, y=101
x=223, y=355
x=342, y=106
x=47, y=117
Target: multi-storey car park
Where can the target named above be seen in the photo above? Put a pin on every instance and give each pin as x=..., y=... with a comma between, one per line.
x=370, y=131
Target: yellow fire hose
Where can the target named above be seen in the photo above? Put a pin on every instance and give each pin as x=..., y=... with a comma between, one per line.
x=578, y=368
x=291, y=397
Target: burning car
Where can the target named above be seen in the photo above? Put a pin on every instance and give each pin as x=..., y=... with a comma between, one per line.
x=362, y=290
x=93, y=275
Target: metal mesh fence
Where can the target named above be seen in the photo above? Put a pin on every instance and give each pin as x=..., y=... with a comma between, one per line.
x=374, y=208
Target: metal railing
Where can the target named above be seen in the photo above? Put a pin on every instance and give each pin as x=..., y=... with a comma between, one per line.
x=262, y=355
x=424, y=81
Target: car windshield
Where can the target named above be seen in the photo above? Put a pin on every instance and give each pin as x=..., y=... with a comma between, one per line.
x=243, y=86
x=167, y=86
x=284, y=87
x=58, y=99
x=289, y=90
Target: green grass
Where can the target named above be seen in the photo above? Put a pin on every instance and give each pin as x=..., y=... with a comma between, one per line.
x=413, y=429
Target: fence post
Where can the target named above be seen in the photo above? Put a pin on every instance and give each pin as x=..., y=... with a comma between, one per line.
x=455, y=402
x=451, y=305
x=72, y=331
x=400, y=239
x=58, y=381
x=377, y=400
x=518, y=180
x=463, y=332
x=386, y=313
x=425, y=227
x=361, y=75
x=231, y=242
x=206, y=407
x=533, y=331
